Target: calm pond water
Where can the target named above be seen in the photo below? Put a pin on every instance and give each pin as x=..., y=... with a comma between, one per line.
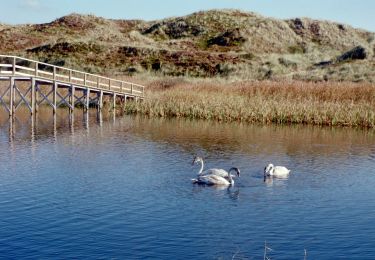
x=119, y=187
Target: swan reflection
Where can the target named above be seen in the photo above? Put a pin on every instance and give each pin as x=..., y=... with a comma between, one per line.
x=272, y=181
x=232, y=192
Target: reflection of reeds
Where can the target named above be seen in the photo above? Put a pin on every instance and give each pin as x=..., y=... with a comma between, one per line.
x=335, y=104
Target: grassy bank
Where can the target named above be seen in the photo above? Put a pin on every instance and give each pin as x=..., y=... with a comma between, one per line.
x=332, y=104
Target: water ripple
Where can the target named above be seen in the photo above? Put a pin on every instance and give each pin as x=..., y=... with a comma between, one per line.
x=122, y=189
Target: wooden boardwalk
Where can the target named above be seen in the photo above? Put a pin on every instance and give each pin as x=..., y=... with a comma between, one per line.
x=58, y=86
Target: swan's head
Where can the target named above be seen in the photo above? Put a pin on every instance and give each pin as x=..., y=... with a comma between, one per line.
x=236, y=170
x=268, y=168
x=196, y=160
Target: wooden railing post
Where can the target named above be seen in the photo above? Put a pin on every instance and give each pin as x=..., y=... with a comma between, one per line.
x=54, y=73
x=70, y=76
x=84, y=79
x=14, y=66
x=36, y=68
x=121, y=86
x=98, y=82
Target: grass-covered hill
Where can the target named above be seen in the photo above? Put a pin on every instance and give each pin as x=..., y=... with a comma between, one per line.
x=218, y=43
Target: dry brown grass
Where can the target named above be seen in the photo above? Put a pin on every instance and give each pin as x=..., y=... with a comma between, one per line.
x=333, y=104
x=230, y=44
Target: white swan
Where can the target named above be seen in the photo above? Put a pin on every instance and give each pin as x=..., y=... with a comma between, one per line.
x=218, y=172
x=276, y=171
x=214, y=176
x=212, y=179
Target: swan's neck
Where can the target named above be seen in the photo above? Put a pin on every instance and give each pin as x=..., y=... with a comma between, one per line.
x=230, y=179
x=202, y=165
x=270, y=172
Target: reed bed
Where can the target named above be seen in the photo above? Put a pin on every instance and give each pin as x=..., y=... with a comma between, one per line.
x=324, y=103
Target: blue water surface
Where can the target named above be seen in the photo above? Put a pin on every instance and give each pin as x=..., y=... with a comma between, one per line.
x=119, y=188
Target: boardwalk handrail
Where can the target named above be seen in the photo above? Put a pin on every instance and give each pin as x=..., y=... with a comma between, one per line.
x=17, y=66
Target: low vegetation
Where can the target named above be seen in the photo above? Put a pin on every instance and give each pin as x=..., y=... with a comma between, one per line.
x=330, y=104
x=229, y=44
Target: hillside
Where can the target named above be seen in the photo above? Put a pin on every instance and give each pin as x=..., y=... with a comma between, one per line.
x=217, y=43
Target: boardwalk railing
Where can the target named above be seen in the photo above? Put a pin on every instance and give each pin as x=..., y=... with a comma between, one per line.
x=57, y=86
x=17, y=66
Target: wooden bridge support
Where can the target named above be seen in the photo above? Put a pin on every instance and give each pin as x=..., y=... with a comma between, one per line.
x=54, y=97
x=33, y=83
x=36, y=92
x=100, y=100
x=57, y=86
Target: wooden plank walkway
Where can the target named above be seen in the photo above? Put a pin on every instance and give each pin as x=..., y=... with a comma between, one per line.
x=58, y=86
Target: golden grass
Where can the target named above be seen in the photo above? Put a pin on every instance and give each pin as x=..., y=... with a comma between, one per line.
x=332, y=104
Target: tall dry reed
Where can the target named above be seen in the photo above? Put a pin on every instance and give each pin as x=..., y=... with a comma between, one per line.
x=333, y=104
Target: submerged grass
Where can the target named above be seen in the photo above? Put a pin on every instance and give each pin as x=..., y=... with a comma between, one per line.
x=332, y=104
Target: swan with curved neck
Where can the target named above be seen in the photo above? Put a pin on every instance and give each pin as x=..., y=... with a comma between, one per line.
x=214, y=171
x=198, y=160
x=276, y=171
x=214, y=176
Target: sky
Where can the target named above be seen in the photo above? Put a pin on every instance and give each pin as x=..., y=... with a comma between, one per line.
x=358, y=13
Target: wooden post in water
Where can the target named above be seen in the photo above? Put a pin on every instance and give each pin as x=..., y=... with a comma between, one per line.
x=11, y=97
x=87, y=101
x=71, y=121
x=11, y=130
x=100, y=100
x=54, y=97
x=55, y=127
x=114, y=101
x=33, y=96
x=36, y=97
x=72, y=97
x=14, y=96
